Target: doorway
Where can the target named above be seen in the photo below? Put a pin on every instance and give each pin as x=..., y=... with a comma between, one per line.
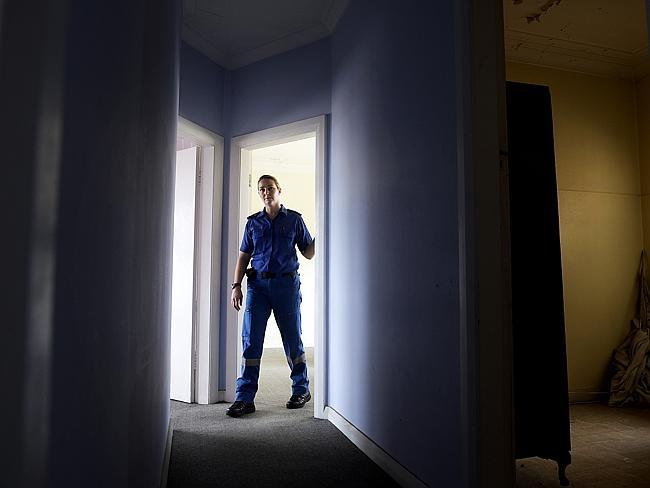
x=598, y=123
x=196, y=264
x=293, y=163
x=295, y=154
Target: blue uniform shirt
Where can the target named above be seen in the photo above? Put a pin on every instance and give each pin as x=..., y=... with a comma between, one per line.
x=272, y=243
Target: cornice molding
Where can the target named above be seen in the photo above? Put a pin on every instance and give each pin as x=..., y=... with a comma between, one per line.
x=204, y=46
x=334, y=13
x=524, y=47
x=280, y=45
x=195, y=24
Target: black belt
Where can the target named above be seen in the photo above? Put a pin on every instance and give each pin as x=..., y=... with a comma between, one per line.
x=265, y=275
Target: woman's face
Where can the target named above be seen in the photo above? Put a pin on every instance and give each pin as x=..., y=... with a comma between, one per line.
x=269, y=192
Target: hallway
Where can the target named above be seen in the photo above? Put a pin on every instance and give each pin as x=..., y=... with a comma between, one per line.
x=271, y=447
x=91, y=93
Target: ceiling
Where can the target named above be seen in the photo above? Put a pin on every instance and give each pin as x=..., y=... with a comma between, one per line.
x=234, y=33
x=603, y=37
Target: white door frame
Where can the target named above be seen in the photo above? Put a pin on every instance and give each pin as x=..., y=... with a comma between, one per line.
x=276, y=135
x=207, y=261
x=484, y=291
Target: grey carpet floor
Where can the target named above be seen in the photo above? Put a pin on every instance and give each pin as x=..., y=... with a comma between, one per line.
x=272, y=447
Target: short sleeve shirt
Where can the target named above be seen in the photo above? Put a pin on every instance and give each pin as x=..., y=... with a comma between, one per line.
x=272, y=243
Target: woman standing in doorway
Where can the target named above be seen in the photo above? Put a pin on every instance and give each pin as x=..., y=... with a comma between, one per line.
x=269, y=244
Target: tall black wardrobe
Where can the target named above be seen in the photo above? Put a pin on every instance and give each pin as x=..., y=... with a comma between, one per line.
x=541, y=403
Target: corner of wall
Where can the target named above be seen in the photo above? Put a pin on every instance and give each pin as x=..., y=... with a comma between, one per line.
x=642, y=106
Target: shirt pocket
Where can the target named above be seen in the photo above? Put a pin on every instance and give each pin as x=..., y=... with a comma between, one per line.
x=288, y=233
x=288, y=237
x=259, y=238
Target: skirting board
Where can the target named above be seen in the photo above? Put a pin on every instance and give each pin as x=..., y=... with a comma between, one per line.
x=394, y=469
x=588, y=396
x=167, y=455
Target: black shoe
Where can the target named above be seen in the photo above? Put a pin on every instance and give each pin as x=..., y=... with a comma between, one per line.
x=298, y=401
x=238, y=409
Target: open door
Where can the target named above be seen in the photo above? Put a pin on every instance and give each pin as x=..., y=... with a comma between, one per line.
x=196, y=265
x=183, y=285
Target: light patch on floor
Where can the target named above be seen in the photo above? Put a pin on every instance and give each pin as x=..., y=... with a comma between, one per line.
x=610, y=449
x=275, y=383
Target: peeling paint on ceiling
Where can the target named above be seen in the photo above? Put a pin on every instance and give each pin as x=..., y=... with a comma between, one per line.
x=603, y=37
x=536, y=16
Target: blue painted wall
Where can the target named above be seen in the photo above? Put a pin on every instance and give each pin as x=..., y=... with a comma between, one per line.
x=202, y=86
x=285, y=88
x=110, y=344
x=393, y=268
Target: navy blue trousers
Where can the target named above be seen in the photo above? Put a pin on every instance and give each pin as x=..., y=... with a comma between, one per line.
x=282, y=296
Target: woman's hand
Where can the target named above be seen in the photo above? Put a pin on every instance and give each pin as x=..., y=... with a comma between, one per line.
x=236, y=297
x=240, y=270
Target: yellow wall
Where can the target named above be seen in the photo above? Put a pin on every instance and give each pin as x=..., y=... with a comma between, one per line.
x=601, y=228
x=643, y=117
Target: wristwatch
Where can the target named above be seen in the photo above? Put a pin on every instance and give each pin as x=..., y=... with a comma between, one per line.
x=235, y=285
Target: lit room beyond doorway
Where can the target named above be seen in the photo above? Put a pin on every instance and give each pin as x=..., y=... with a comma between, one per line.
x=294, y=165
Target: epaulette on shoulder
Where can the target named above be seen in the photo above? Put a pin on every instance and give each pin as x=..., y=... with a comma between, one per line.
x=294, y=212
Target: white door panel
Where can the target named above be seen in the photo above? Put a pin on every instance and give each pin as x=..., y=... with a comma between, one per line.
x=183, y=275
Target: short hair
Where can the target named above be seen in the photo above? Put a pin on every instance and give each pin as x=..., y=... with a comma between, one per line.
x=269, y=177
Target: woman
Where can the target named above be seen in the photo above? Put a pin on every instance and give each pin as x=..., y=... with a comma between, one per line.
x=269, y=244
